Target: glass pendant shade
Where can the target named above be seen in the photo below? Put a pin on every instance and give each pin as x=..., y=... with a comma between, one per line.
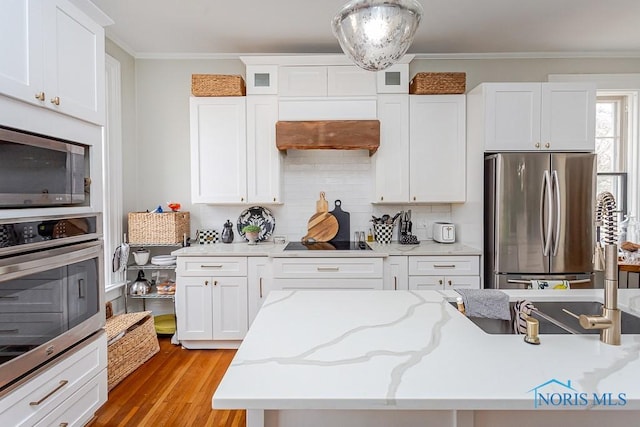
x=375, y=34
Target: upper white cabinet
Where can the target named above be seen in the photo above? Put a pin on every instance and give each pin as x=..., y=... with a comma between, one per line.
x=218, y=150
x=264, y=171
x=535, y=116
x=319, y=80
x=437, y=149
x=394, y=79
x=53, y=56
x=262, y=79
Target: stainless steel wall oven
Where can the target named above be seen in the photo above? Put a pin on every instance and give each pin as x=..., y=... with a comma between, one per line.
x=51, y=298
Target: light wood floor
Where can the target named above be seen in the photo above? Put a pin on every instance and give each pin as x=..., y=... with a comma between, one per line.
x=173, y=388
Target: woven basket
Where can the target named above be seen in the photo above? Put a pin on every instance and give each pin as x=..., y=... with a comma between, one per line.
x=438, y=83
x=217, y=85
x=135, y=347
x=166, y=228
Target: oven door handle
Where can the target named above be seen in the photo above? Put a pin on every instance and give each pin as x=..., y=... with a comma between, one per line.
x=35, y=262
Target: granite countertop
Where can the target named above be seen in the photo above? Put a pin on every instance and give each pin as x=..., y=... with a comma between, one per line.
x=414, y=350
x=276, y=250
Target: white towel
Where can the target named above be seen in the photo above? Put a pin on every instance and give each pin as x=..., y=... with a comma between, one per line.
x=550, y=284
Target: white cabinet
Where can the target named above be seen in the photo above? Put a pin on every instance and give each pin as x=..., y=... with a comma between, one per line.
x=262, y=79
x=396, y=272
x=437, y=151
x=211, y=301
x=391, y=161
x=327, y=273
x=535, y=116
x=321, y=80
x=394, y=79
x=258, y=284
x=218, y=150
x=68, y=392
x=53, y=56
x=444, y=272
x=422, y=151
x=264, y=171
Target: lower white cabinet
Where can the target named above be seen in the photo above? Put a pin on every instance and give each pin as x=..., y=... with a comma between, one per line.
x=259, y=284
x=327, y=273
x=396, y=272
x=444, y=272
x=66, y=394
x=211, y=301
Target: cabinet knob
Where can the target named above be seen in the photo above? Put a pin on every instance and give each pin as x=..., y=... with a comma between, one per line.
x=547, y=145
x=440, y=281
x=449, y=282
x=381, y=198
x=414, y=198
x=242, y=199
x=215, y=282
x=206, y=283
x=537, y=145
x=40, y=96
x=274, y=199
x=55, y=100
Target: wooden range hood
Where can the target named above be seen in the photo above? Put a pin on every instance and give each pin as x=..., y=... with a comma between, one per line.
x=328, y=135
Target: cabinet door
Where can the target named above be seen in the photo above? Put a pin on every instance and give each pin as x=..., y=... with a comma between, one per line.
x=264, y=173
x=73, y=62
x=437, y=149
x=426, y=283
x=262, y=79
x=512, y=116
x=258, y=284
x=230, y=318
x=302, y=81
x=396, y=273
x=349, y=80
x=568, y=116
x=21, y=49
x=391, y=161
x=394, y=79
x=218, y=150
x=462, y=282
x=194, y=308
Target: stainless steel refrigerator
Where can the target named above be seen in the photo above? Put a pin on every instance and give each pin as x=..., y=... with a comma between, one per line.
x=538, y=218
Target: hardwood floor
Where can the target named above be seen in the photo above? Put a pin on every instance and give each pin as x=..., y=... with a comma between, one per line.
x=173, y=388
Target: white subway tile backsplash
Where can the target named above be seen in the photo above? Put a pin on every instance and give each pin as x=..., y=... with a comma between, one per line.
x=344, y=175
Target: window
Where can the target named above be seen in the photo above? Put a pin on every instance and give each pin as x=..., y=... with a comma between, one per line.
x=612, y=147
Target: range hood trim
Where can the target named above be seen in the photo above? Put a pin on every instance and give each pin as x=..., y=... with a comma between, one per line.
x=328, y=135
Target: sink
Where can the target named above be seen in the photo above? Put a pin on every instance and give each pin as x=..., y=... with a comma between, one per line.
x=553, y=320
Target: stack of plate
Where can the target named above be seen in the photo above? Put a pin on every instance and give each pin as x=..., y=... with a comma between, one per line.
x=163, y=260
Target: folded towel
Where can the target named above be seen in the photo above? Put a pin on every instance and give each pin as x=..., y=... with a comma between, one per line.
x=489, y=303
x=550, y=284
x=522, y=309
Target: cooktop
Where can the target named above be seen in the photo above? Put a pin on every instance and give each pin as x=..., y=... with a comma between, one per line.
x=327, y=246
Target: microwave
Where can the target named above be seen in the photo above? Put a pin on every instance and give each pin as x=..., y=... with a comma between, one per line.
x=40, y=171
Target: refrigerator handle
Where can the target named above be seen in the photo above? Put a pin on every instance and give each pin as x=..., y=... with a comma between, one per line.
x=556, y=190
x=545, y=232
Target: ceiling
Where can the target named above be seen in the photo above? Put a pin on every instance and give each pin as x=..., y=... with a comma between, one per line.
x=165, y=28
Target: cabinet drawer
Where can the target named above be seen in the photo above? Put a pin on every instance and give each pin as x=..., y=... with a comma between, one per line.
x=212, y=266
x=350, y=268
x=315, y=284
x=444, y=265
x=54, y=385
x=462, y=282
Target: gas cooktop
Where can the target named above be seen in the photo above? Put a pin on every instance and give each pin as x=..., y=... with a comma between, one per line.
x=327, y=246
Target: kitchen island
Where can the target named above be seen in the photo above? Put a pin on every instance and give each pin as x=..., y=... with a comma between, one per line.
x=407, y=358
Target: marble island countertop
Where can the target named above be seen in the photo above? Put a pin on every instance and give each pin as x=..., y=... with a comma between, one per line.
x=360, y=350
x=277, y=250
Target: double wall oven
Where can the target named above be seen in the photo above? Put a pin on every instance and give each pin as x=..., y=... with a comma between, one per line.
x=51, y=299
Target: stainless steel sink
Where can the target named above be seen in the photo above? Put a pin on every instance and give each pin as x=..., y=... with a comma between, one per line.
x=553, y=320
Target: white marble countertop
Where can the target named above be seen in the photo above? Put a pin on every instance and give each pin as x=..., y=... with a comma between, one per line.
x=277, y=250
x=414, y=350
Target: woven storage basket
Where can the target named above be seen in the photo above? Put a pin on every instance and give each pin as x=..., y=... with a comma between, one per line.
x=217, y=85
x=158, y=228
x=438, y=83
x=135, y=347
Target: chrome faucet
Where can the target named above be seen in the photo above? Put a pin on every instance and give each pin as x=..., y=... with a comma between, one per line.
x=609, y=321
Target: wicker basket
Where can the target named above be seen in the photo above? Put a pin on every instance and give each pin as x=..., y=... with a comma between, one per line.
x=438, y=83
x=136, y=346
x=166, y=228
x=217, y=85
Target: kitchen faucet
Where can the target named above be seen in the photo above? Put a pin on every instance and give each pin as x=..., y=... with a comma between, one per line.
x=609, y=321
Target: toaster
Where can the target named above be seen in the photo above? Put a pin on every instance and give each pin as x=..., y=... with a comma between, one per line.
x=444, y=232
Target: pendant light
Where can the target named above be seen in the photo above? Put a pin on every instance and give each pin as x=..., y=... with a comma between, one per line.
x=375, y=34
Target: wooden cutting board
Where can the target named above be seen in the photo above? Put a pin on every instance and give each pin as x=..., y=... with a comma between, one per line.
x=322, y=226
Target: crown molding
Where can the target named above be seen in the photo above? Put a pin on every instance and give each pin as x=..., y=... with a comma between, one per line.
x=529, y=55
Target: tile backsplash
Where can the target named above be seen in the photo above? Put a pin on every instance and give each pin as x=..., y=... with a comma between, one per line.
x=342, y=174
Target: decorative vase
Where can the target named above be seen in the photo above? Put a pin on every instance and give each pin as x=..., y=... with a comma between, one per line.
x=227, y=232
x=252, y=237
